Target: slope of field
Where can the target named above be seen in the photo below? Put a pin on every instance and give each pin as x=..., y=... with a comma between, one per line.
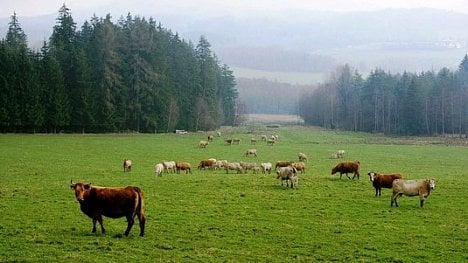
x=211, y=216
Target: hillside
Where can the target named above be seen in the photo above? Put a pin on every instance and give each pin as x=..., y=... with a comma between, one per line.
x=310, y=41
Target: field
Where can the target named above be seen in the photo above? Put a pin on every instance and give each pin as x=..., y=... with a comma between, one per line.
x=211, y=216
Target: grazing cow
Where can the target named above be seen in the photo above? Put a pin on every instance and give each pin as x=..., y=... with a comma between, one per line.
x=302, y=157
x=282, y=164
x=202, y=144
x=228, y=141
x=264, y=137
x=249, y=166
x=266, y=167
x=210, y=138
x=113, y=202
x=422, y=188
x=287, y=174
x=253, y=141
x=300, y=166
x=169, y=165
x=380, y=181
x=236, y=140
x=340, y=153
x=183, y=166
x=270, y=142
x=347, y=167
x=251, y=152
x=158, y=169
x=219, y=164
x=233, y=166
x=218, y=133
x=127, y=165
x=206, y=163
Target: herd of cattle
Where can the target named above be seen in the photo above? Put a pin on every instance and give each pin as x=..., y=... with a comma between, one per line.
x=116, y=202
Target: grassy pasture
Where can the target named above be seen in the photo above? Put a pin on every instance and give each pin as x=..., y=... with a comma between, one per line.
x=210, y=216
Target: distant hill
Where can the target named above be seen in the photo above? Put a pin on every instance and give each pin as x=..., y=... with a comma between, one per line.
x=310, y=41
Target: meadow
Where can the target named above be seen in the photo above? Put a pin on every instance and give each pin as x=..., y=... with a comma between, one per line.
x=211, y=216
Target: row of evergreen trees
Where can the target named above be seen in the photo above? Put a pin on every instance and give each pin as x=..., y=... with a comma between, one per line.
x=133, y=75
x=428, y=103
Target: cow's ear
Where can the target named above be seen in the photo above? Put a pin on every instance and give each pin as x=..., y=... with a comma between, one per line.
x=72, y=186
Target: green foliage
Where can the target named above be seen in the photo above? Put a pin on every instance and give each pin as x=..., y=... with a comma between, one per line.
x=113, y=77
x=399, y=104
x=211, y=216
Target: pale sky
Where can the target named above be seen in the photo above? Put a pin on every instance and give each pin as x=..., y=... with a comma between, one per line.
x=25, y=8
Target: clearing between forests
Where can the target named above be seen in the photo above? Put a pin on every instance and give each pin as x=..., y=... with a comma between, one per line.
x=211, y=216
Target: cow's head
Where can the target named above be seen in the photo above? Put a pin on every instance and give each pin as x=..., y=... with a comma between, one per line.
x=334, y=170
x=371, y=176
x=80, y=190
x=431, y=183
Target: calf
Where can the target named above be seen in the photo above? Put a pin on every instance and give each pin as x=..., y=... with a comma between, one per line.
x=423, y=188
x=113, y=202
x=380, y=181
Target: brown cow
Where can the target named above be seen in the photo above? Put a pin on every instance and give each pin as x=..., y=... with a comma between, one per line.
x=282, y=164
x=228, y=141
x=347, y=167
x=380, y=181
x=206, y=163
x=300, y=166
x=127, y=165
x=113, y=202
x=184, y=167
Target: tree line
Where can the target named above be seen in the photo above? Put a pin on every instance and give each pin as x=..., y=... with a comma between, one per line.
x=427, y=103
x=132, y=75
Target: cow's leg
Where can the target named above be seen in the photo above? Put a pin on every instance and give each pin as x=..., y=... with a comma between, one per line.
x=376, y=191
x=393, y=200
x=421, y=200
x=142, y=220
x=130, y=222
x=98, y=219
x=94, y=226
x=348, y=176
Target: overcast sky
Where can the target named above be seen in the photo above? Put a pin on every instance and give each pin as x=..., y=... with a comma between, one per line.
x=145, y=7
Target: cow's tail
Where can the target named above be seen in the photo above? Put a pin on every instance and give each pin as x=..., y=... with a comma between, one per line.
x=139, y=210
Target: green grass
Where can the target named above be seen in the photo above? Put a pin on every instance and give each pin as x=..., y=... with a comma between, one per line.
x=213, y=217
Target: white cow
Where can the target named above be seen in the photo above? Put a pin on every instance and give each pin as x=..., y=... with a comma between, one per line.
x=158, y=169
x=422, y=188
x=287, y=174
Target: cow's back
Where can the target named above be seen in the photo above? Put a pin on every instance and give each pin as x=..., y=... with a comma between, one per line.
x=407, y=187
x=113, y=202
